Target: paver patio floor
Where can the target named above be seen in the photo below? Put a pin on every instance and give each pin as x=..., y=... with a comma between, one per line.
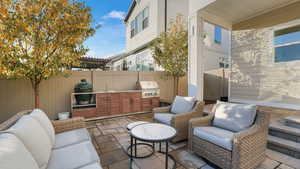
x=111, y=140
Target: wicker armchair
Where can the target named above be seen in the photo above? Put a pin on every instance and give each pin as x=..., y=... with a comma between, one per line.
x=59, y=125
x=181, y=121
x=248, y=147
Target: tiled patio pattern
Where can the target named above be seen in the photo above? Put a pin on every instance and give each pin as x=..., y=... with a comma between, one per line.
x=111, y=139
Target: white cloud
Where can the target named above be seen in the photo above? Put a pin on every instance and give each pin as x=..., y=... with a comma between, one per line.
x=115, y=15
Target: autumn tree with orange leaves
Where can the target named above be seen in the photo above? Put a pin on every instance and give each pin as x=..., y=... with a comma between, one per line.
x=41, y=38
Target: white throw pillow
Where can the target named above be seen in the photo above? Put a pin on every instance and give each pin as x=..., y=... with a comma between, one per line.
x=14, y=155
x=183, y=104
x=34, y=137
x=45, y=122
x=234, y=117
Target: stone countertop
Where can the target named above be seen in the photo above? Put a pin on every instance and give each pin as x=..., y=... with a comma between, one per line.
x=110, y=91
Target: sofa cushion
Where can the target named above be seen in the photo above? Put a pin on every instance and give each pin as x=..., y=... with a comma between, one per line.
x=14, y=155
x=234, y=117
x=164, y=117
x=71, y=137
x=45, y=122
x=217, y=136
x=74, y=156
x=183, y=104
x=92, y=166
x=35, y=139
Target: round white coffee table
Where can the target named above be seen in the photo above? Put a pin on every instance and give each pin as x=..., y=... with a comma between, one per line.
x=154, y=133
x=135, y=144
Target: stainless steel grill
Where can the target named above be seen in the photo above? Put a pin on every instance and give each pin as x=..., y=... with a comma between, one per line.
x=149, y=88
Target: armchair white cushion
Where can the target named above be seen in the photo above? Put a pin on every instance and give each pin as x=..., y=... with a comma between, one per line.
x=164, y=118
x=71, y=137
x=217, y=136
x=74, y=156
x=14, y=155
x=183, y=104
x=35, y=139
x=234, y=117
x=45, y=122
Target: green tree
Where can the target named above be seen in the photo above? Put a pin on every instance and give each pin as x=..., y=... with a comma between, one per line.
x=41, y=38
x=170, y=50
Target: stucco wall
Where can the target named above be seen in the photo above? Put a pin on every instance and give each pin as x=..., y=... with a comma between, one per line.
x=214, y=51
x=255, y=77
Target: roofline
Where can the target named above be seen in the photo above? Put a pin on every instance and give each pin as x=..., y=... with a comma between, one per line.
x=133, y=4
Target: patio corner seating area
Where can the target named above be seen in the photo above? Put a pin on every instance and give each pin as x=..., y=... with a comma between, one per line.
x=231, y=136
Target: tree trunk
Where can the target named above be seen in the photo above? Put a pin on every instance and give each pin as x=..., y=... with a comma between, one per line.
x=36, y=89
x=176, y=82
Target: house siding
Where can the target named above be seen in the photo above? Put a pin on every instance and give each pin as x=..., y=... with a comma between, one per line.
x=148, y=34
x=255, y=77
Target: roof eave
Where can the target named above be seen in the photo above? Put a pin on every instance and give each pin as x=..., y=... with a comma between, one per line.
x=133, y=4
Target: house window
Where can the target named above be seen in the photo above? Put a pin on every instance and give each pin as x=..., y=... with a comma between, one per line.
x=132, y=28
x=145, y=18
x=218, y=34
x=140, y=22
x=287, y=44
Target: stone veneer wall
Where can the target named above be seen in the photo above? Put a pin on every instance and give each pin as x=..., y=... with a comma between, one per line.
x=255, y=77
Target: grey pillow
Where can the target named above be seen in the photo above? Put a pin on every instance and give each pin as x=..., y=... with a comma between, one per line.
x=183, y=104
x=234, y=117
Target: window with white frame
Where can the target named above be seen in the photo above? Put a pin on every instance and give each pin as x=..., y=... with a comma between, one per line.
x=145, y=18
x=140, y=22
x=287, y=44
x=132, y=28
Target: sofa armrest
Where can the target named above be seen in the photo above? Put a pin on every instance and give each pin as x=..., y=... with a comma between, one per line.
x=197, y=122
x=162, y=109
x=70, y=124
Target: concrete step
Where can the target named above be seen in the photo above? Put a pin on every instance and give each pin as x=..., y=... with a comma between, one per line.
x=282, y=158
x=284, y=146
x=293, y=121
x=279, y=129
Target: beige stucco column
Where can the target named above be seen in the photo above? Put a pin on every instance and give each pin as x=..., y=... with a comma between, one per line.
x=196, y=64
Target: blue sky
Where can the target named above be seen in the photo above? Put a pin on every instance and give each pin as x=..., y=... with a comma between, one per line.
x=110, y=38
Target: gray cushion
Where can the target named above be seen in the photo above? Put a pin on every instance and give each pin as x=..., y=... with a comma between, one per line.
x=74, y=156
x=183, y=104
x=164, y=117
x=71, y=137
x=234, y=117
x=217, y=136
x=92, y=166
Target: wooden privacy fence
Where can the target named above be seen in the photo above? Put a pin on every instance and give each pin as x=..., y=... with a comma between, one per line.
x=55, y=93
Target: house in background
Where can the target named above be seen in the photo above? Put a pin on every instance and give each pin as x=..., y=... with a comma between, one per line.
x=265, y=49
x=146, y=19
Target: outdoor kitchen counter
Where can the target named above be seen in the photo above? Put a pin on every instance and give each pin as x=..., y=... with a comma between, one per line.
x=115, y=103
x=111, y=91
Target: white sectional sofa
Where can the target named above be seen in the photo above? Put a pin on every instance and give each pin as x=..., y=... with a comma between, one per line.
x=30, y=140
